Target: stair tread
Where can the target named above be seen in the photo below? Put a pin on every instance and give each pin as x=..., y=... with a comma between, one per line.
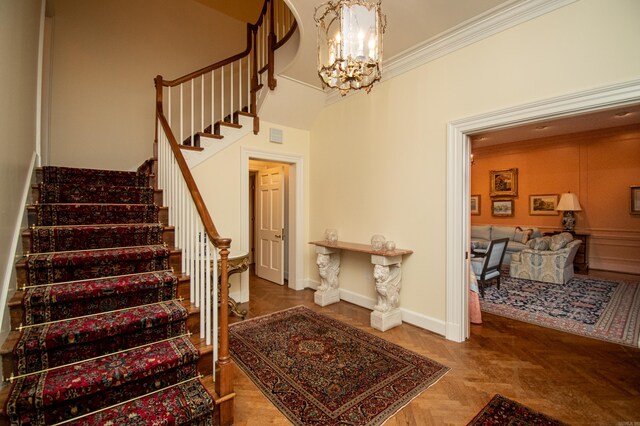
x=78, y=193
x=181, y=404
x=86, y=255
x=84, y=175
x=228, y=124
x=61, y=384
x=52, y=214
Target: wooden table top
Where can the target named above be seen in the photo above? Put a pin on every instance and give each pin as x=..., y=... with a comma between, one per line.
x=362, y=248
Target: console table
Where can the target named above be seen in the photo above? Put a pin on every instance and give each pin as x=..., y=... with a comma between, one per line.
x=387, y=274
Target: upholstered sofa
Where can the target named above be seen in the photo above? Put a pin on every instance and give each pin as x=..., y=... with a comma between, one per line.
x=518, y=236
x=547, y=259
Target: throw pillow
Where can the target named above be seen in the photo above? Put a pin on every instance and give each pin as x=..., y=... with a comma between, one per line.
x=522, y=235
x=540, y=243
x=559, y=241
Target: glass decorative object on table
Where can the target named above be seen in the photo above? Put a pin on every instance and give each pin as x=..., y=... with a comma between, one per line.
x=377, y=242
x=390, y=246
x=331, y=236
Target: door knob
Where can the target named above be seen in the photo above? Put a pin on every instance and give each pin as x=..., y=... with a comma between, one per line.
x=278, y=236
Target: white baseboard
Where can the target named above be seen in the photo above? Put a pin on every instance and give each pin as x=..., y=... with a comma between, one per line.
x=410, y=317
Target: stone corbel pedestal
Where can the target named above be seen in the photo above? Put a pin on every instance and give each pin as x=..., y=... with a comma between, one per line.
x=387, y=273
x=329, y=267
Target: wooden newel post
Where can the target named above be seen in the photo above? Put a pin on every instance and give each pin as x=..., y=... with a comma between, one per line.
x=224, y=365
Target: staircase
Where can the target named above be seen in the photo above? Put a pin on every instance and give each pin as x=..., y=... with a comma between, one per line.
x=103, y=329
x=112, y=324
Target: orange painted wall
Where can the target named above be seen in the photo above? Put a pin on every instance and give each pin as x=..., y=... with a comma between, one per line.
x=599, y=166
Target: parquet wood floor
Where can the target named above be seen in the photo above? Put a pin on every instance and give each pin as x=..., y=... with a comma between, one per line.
x=577, y=380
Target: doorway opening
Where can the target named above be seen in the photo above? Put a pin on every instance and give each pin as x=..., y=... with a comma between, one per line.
x=459, y=134
x=269, y=220
x=294, y=210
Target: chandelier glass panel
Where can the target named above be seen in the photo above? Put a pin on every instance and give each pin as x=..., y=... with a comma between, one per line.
x=349, y=44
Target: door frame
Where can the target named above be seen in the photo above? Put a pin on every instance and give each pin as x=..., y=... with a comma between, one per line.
x=458, y=225
x=296, y=211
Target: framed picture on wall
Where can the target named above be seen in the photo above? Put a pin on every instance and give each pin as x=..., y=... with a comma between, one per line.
x=502, y=208
x=503, y=183
x=475, y=205
x=543, y=204
x=635, y=199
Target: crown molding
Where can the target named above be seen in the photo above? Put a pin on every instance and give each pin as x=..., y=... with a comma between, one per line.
x=493, y=21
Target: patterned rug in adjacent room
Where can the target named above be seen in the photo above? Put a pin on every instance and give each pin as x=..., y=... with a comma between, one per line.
x=605, y=310
x=503, y=411
x=320, y=371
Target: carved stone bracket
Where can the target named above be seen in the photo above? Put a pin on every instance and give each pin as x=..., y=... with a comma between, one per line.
x=328, y=262
x=387, y=273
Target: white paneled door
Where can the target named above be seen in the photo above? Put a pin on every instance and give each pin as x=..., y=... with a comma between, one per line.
x=270, y=226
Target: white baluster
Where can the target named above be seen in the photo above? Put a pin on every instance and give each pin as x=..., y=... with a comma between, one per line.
x=192, y=113
x=202, y=126
x=207, y=292
x=169, y=106
x=222, y=93
x=213, y=103
x=181, y=115
x=231, y=90
x=240, y=100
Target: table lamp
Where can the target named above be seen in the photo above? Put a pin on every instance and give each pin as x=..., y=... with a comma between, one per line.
x=568, y=204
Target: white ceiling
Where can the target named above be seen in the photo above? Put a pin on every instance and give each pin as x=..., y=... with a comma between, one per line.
x=414, y=22
x=409, y=22
x=579, y=123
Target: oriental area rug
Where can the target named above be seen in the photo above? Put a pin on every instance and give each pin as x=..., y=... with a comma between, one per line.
x=320, y=371
x=605, y=310
x=503, y=411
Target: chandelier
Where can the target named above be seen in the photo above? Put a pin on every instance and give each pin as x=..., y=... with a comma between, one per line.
x=349, y=44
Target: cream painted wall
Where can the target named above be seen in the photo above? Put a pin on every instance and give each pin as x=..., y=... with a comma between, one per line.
x=378, y=160
x=219, y=179
x=106, y=55
x=19, y=39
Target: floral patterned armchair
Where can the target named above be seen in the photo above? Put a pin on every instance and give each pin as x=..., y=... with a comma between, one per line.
x=547, y=259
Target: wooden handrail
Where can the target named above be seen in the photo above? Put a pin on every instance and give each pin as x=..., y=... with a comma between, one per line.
x=219, y=64
x=287, y=36
x=210, y=228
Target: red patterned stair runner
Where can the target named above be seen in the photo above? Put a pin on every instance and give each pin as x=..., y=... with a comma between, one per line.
x=104, y=340
x=46, y=239
x=78, y=214
x=44, y=303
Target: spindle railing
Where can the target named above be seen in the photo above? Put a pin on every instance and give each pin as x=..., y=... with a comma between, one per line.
x=198, y=103
x=195, y=105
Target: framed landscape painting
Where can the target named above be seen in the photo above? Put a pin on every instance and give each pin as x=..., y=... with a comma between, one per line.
x=635, y=200
x=543, y=204
x=475, y=205
x=503, y=183
x=502, y=208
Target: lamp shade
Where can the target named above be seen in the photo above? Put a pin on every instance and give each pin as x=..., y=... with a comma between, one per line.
x=569, y=202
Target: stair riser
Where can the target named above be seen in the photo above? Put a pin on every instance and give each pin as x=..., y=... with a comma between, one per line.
x=17, y=312
x=90, y=177
x=115, y=394
x=205, y=362
x=73, y=274
x=97, y=217
x=46, y=240
x=116, y=196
